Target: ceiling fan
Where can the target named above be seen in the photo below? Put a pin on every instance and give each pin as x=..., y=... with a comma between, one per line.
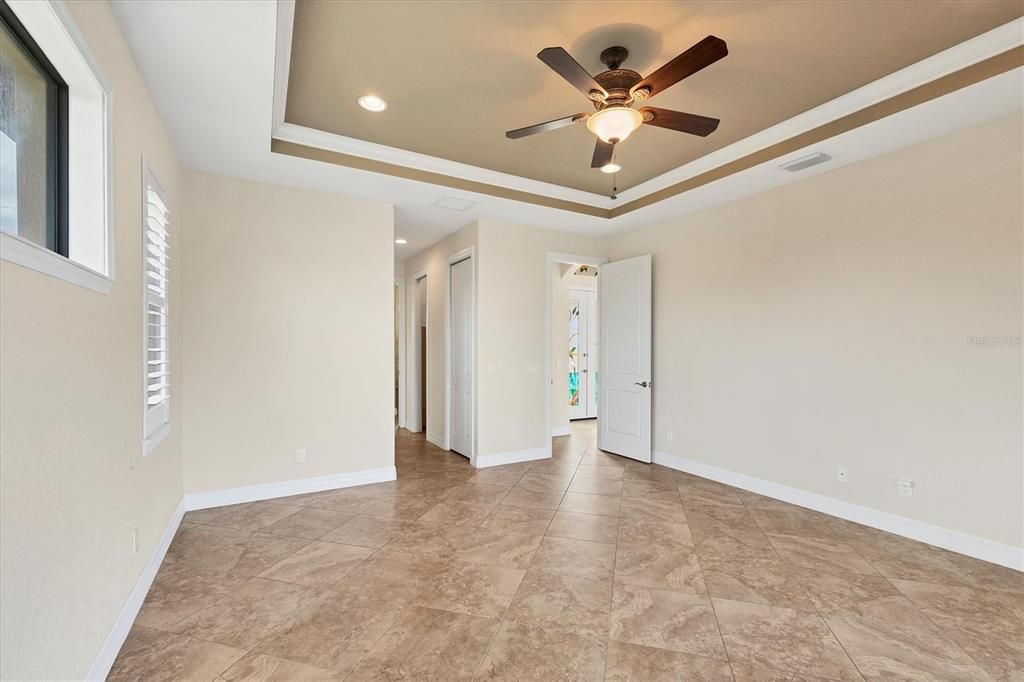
x=614, y=92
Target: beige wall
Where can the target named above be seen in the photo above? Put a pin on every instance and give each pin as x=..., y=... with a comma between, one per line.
x=73, y=481
x=511, y=331
x=288, y=320
x=829, y=322
x=433, y=262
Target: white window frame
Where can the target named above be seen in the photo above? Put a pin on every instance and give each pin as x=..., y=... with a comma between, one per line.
x=156, y=420
x=90, y=153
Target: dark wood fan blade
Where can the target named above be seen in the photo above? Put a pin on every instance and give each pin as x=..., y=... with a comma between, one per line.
x=546, y=126
x=568, y=68
x=704, y=53
x=602, y=154
x=681, y=121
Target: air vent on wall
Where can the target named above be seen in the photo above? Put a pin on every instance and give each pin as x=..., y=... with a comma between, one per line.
x=455, y=203
x=805, y=162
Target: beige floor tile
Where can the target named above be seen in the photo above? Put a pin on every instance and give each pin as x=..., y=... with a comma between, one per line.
x=744, y=671
x=791, y=520
x=584, y=503
x=458, y=512
x=820, y=554
x=603, y=459
x=429, y=539
x=660, y=565
x=180, y=591
x=643, y=487
x=427, y=644
x=263, y=668
x=709, y=522
x=310, y=523
x=409, y=508
x=760, y=581
x=155, y=655
x=902, y=644
x=647, y=529
x=525, y=520
x=985, y=575
x=593, y=527
x=873, y=544
x=592, y=471
x=230, y=552
x=335, y=630
x=499, y=548
x=524, y=652
x=635, y=663
x=586, y=559
x=349, y=500
x=782, y=639
x=473, y=491
x=249, y=614
x=318, y=564
x=540, y=482
x=666, y=508
x=665, y=620
x=401, y=578
x=366, y=531
x=476, y=589
x=533, y=499
x=596, y=486
x=924, y=565
x=699, y=496
x=498, y=476
x=650, y=472
x=987, y=624
x=250, y=516
x=563, y=602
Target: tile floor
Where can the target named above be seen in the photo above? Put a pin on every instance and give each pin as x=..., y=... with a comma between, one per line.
x=583, y=567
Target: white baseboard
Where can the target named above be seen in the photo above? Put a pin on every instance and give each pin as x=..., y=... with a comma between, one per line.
x=436, y=440
x=955, y=541
x=100, y=667
x=560, y=430
x=268, y=491
x=484, y=461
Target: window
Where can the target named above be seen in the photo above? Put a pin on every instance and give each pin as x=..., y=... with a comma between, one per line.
x=33, y=140
x=156, y=266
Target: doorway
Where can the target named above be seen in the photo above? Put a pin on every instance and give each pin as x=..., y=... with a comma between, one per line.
x=461, y=347
x=584, y=339
x=416, y=411
x=572, y=368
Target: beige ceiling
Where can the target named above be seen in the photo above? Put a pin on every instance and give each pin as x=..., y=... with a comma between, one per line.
x=457, y=75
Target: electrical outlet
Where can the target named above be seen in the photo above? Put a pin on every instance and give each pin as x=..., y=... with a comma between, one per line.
x=905, y=486
x=300, y=455
x=842, y=474
x=135, y=541
x=669, y=435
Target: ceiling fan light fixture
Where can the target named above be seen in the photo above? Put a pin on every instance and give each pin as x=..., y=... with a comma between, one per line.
x=372, y=103
x=615, y=124
x=611, y=168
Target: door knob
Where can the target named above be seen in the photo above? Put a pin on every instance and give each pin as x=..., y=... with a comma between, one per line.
x=642, y=384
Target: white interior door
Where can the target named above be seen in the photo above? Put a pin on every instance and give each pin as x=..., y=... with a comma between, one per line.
x=624, y=406
x=461, y=340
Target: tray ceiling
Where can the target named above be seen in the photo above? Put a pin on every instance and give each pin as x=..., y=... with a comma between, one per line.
x=458, y=75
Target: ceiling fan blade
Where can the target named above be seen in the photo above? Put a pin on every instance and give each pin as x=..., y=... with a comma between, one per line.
x=602, y=154
x=546, y=126
x=680, y=120
x=568, y=68
x=704, y=53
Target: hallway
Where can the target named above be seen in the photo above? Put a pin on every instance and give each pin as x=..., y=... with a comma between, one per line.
x=585, y=567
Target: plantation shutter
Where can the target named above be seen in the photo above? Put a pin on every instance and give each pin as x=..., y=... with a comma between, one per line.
x=157, y=272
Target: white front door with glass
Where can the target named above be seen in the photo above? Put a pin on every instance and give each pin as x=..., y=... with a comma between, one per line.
x=583, y=344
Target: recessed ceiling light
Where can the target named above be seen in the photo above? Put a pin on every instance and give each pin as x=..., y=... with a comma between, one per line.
x=401, y=241
x=372, y=103
x=611, y=168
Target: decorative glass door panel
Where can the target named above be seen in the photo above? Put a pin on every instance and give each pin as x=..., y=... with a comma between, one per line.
x=583, y=339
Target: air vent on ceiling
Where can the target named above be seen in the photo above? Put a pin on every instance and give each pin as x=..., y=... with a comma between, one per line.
x=805, y=162
x=455, y=203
